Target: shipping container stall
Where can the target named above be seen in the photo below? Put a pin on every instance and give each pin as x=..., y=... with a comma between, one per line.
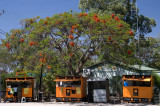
x=98, y=91
x=137, y=88
x=20, y=87
x=70, y=88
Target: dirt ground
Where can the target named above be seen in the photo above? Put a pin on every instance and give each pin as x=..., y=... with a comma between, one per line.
x=70, y=104
x=54, y=103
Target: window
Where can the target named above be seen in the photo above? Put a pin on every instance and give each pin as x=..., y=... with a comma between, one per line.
x=68, y=84
x=137, y=83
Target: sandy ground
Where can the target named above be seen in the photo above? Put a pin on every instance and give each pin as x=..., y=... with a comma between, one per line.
x=70, y=104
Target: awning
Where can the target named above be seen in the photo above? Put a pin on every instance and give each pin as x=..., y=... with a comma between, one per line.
x=132, y=79
x=18, y=80
x=67, y=80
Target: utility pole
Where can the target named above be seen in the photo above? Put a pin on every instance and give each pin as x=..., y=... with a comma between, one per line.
x=137, y=24
x=0, y=73
x=0, y=87
x=134, y=13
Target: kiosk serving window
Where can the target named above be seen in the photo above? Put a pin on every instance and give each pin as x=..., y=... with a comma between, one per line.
x=68, y=84
x=137, y=83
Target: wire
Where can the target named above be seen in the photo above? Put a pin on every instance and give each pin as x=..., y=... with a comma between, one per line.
x=14, y=15
x=10, y=18
x=3, y=33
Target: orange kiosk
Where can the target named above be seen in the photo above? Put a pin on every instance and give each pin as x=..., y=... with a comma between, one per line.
x=137, y=88
x=70, y=88
x=20, y=86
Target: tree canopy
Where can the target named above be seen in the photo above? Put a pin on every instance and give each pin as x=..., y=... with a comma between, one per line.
x=126, y=8
x=64, y=43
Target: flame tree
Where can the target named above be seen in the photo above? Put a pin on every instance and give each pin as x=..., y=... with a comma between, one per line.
x=67, y=41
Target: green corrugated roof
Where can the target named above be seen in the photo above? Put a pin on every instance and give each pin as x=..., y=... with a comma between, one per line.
x=143, y=68
x=138, y=68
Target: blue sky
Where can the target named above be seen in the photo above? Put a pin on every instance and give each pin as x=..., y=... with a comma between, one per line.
x=150, y=8
x=15, y=10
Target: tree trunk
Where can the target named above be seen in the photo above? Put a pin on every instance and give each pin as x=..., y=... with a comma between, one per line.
x=40, y=78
